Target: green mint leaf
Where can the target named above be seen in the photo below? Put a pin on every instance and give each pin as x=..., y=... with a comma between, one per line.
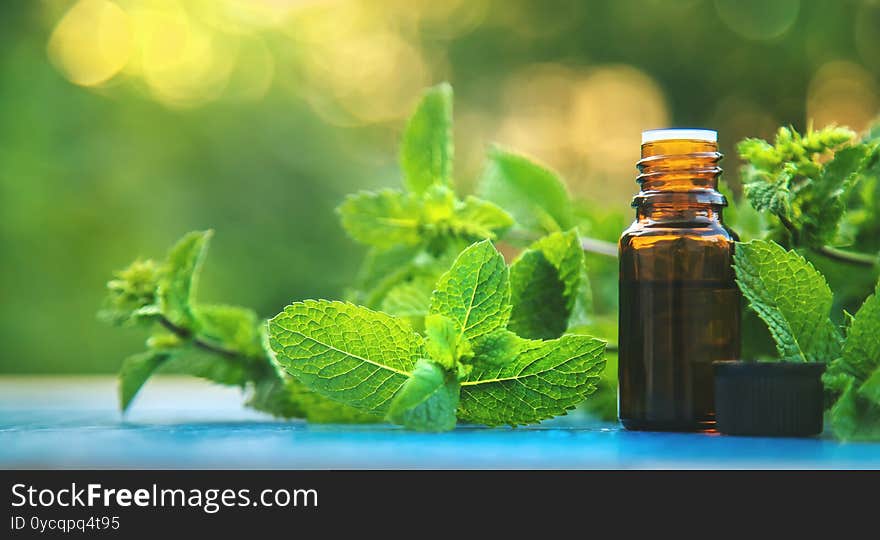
x=475, y=292
x=131, y=294
x=232, y=327
x=473, y=218
x=773, y=196
x=546, y=379
x=348, y=353
x=383, y=219
x=550, y=288
x=428, y=400
x=856, y=374
x=427, y=147
x=823, y=140
x=288, y=398
x=177, y=286
x=870, y=389
x=791, y=297
x=273, y=396
x=409, y=299
x=861, y=351
x=214, y=368
x=135, y=371
x=445, y=344
x=382, y=270
x=603, y=402
x=538, y=297
x=283, y=396
x=478, y=219
x=822, y=204
x=534, y=195
x=853, y=418
x=759, y=153
x=496, y=349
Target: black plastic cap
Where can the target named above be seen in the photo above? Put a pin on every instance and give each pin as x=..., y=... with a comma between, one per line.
x=782, y=399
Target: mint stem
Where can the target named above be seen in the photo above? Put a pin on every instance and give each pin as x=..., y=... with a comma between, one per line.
x=849, y=257
x=187, y=334
x=839, y=255
x=601, y=247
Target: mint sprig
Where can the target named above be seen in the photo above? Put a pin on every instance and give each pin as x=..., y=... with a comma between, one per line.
x=804, y=182
x=794, y=301
x=427, y=338
x=470, y=361
x=220, y=343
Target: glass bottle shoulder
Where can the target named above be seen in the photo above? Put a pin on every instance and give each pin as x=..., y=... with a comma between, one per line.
x=708, y=230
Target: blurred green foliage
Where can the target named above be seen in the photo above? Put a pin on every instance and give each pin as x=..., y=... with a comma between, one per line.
x=92, y=176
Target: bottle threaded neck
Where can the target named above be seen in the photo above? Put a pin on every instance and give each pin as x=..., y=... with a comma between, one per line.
x=674, y=169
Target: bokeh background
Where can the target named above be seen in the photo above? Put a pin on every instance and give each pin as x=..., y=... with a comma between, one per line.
x=124, y=124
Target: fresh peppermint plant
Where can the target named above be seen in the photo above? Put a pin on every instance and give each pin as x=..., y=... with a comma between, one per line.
x=805, y=182
x=469, y=366
x=220, y=343
x=819, y=191
x=445, y=330
x=794, y=300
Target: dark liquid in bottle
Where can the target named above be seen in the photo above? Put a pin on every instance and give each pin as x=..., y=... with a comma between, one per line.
x=674, y=330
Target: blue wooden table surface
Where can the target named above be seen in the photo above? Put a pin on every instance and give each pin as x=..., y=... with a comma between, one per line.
x=183, y=423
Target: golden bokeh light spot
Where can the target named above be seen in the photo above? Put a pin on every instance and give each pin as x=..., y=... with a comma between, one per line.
x=736, y=118
x=183, y=62
x=92, y=42
x=843, y=93
x=253, y=73
x=586, y=123
x=612, y=106
x=537, y=105
x=758, y=19
x=372, y=77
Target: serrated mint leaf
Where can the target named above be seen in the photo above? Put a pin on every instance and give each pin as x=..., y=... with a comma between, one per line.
x=534, y=195
x=870, y=389
x=538, y=297
x=348, y=353
x=232, y=327
x=771, y=195
x=131, y=294
x=426, y=150
x=823, y=203
x=791, y=297
x=603, y=402
x=861, y=350
x=212, y=367
x=444, y=342
x=856, y=375
x=410, y=298
x=134, y=373
x=288, y=398
x=759, y=153
x=550, y=289
x=271, y=395
x=473, y=218
x=438, y=204
x=544, y=380
x=383, y=219
x=180, y=274
x=475, y=292
x=854, y=418
x=427, y=401
x=478, y=219
x=497, y=349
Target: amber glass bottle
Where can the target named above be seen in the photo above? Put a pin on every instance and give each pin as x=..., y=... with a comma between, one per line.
x=679, y=304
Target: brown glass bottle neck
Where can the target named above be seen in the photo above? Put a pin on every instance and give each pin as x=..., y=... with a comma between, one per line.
x=679, y=181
